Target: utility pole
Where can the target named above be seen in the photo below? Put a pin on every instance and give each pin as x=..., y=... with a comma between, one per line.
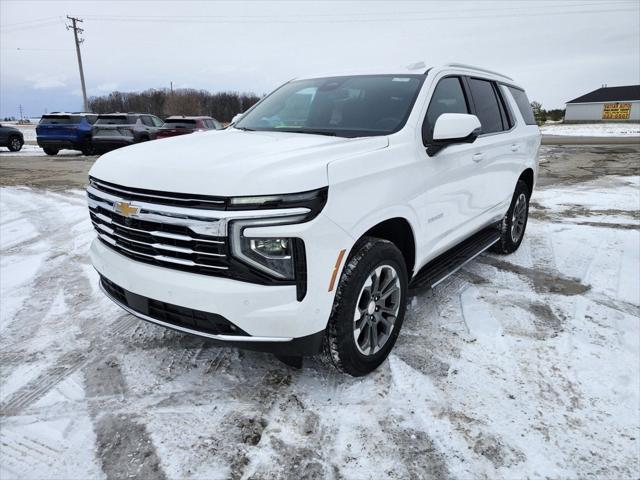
x=20, y=112
x=76, y=32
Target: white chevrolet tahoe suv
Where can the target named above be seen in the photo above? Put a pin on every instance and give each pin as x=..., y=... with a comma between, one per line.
x=300, y=229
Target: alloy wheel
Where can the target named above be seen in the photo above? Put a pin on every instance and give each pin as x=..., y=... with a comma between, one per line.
x=519, y=218
x=377, y=310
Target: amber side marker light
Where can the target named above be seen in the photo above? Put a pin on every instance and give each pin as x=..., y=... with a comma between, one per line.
x=336, y=267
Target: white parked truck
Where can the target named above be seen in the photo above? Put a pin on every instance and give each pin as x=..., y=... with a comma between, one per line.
x=300, y=229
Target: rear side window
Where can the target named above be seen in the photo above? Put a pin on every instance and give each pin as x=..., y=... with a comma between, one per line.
x=448, y=97
x=523, y=105
x=487, y=106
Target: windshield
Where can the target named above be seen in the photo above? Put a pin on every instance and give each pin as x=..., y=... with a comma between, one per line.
x=363, y=105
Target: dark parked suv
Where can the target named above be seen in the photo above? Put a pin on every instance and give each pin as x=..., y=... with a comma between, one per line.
x=66, y=130
x=11, y=138
x=115, y=130
x=179, y=125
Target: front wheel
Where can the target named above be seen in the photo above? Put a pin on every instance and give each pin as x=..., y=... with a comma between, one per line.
x=514, y=223
x=15, y=144
x=368, y=309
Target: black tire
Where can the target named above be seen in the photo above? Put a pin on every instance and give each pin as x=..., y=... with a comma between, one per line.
x=50, y=151
x=87, y=150
x=341, y=348
x=15, y=143
x=509, y=241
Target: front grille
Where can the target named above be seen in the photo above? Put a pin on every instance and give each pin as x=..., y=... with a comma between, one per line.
x=186, y=239
x=172, y=314
x=161, y=198
x=169, y=245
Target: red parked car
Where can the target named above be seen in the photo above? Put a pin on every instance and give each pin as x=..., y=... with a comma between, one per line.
x=179, y=125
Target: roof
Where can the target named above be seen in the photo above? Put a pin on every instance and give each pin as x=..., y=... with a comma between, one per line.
x=418, y=68
x=188, y=117
x=610, y=94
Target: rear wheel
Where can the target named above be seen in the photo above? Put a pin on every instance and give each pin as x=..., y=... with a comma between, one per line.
x=87, y=150
x=369, y=308
x=514, y=223
x=51, y=151
x=15, y=144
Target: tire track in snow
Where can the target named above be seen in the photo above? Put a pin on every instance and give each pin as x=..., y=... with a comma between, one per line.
x=34, y=390
x=123, y=444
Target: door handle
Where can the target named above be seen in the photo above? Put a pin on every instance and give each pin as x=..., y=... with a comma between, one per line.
x=514, y=148
x=478, y=157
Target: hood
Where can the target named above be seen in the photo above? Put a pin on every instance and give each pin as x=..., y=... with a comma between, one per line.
x=231, y=162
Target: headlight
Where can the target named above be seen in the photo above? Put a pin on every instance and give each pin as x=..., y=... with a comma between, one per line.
x=314, y=200
x=273, y=255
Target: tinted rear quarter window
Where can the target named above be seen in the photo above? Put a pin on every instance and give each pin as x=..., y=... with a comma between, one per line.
x=523, y=105
x=486, y=103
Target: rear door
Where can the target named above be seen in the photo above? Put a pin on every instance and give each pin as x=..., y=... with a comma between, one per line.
x=495, y=152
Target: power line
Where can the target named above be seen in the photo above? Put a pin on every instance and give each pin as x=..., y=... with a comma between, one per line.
x=265, y=20
x=543, y=7
x=76, y=34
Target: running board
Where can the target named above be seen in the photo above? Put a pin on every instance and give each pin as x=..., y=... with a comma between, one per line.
x=454, y=259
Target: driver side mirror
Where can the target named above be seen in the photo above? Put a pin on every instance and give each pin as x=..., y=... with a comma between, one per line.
x=452, y=128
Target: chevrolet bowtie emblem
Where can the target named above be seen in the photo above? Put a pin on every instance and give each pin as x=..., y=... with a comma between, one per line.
x=125, y=209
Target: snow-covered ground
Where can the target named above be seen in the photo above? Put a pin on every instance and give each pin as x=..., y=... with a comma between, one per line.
x=36, y=151
x=593, y=129
x=516, y=367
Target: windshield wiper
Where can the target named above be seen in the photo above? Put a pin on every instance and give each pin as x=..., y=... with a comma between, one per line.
x=304, y=130
x=245, y=129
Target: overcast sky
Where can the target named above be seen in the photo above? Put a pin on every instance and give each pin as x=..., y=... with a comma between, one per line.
x=557, y=50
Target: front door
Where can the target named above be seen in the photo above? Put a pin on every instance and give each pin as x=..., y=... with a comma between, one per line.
x=452, y=196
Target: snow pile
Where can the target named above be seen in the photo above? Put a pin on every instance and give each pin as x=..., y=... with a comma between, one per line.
x=593, y=129
x=517, y=366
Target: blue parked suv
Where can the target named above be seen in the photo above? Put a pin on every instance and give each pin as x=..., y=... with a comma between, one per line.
x=66, y=130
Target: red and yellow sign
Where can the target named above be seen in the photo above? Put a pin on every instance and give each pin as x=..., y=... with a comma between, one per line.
x=616, y=111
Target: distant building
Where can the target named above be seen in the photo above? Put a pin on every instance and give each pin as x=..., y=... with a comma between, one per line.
x=606, y=104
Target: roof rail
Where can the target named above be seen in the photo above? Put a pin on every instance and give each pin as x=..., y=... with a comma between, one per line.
x=478, y=69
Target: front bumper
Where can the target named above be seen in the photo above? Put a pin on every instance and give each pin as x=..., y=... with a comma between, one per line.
x=267, y=313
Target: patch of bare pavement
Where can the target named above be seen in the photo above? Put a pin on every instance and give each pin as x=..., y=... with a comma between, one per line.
x=518, y=366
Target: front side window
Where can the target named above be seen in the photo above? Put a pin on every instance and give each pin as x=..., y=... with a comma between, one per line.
x=448, y=97
x=486, y=103
x=363, y=105
x=147, y=120
x=156, y=121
